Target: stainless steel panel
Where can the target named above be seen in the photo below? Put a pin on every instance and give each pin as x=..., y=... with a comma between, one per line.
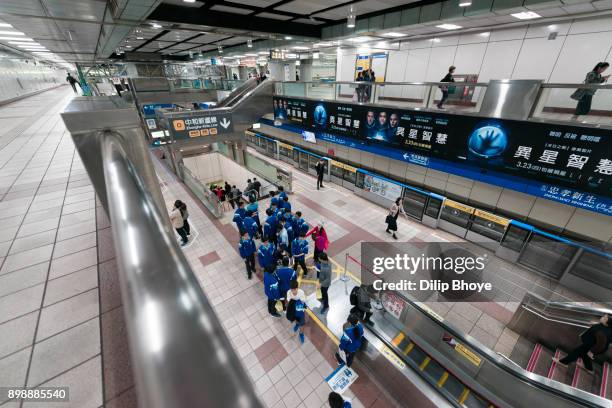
x=510, y=99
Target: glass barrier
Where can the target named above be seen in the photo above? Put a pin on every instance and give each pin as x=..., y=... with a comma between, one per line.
x=360, y=180
x=456, y=213
x=594, y=267
x=414, y=203
x=350, y=173
x=433, y=207
x=337, y=170
x=547, y=255
x=400, y=95
x=319, y=90
x=515, y=238
x=207, y=198
x=267, y=170
x=489, y=225
x=568, y=103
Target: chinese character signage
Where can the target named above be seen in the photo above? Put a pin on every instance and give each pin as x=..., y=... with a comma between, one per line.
x=575, y=160
x=341, y=379
x=200, y=124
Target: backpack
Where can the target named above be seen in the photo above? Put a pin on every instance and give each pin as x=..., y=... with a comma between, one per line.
x=291, y=310
x=353, y=296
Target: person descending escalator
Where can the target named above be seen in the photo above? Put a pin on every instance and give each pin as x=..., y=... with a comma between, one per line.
x=360, y=300
x=595, y=341
x=350, y=342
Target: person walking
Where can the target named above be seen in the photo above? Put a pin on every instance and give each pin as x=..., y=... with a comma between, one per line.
x=229, y=195
x=185, y=214
x=239, y=216
x=299, y=250
x=446, y=88
x=585, y=96
x=335, y=400
x=595, y=340
x=325, y=279
x=253, y=207
x=319, y=236
x=359, y=87
x=391, y=219
x=177, y=222
x=247, y=249
x=351, y=340
x=250, y=225
x=320, y=168
x=272, y=289
x=269, y=228
x=296, y=308
x=72, y=81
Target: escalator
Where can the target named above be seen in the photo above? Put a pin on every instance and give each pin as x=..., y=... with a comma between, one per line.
x=238, y=93
x=468, y=374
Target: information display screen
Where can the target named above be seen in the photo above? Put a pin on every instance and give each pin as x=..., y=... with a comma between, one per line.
x=562, y=156
x=382, y=187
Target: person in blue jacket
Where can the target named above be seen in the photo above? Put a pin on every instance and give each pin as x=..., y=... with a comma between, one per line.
x=335, y=400
x=285, y=274
x=299, y=249
x=250, y=225
x=239, y=215
x=281, y=193
x=246, y=247
x=273, y=199
x=286, y=204
x=265, y=254
x=300, y=224
x=254, y=208
x=272, y=289
x=269, y=229
x=350, y=342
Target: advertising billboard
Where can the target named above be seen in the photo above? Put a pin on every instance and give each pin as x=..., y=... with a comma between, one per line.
x=572, y=163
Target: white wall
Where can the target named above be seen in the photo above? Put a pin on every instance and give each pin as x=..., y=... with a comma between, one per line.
x=212, y=167
x=513, y=53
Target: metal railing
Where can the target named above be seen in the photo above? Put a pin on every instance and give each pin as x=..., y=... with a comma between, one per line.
x=181, y=356
x=553, y=100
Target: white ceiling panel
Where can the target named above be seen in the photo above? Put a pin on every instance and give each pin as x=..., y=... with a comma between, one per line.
x=82, y=10
x=30, y=7
x=305, y=6
x=274, y=16
x=207, y=38
x=233, y=41
x=256, y=3
x=234, y=10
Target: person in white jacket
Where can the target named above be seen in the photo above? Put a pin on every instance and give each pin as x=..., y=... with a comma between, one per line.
x=176, y=217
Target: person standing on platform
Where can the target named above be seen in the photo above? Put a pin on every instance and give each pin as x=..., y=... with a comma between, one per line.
x=72, y=81
x=239, y=216
x=325, y=279
x=296, y=308
x=269, y=228
x=320, y=168
x=350, y=342
x=285, y=275
x=257, y=187
x=391, y=219
x=185, y=214
x=177, y=222
x=595, y=340
x=445, y=88
x=281, y=195
x=236, y=194
x=266, y=254
x=286, y=204
x=250, y=225
x=335, y=400
x=283, y=238
x=585, y=96
x=272, y=290
x=321, y=243
x=247, y=250
x=299, y=250
x=254, y=208
x=273, y=199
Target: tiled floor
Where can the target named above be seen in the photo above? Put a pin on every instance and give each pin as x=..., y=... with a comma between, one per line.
x=49, y=298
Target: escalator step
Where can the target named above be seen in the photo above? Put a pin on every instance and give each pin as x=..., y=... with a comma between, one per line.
x=455, y=388
x=582, y=379
x=398, y=339
x=558, y=372
x=540, y=360
x=416, y=355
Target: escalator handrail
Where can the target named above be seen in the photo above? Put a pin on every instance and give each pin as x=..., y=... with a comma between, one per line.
x=548, y=304
x=180, y=353
x=534, y=379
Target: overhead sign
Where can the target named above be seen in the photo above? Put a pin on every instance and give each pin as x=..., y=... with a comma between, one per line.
x=200, y=124
x=572, y=164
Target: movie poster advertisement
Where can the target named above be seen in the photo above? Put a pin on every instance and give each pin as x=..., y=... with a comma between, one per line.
x=562, y=155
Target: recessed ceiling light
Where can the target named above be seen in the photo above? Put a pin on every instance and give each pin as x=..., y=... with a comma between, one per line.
x=11, y=33
x=393, y=34
x=465, y=3
x=6, y=25
x=287, y=37
x=485, y=34
x=449, y=26
x=526, y=15
x=155, y=25
x=436, y=40
x=140, y=38
x=189, y=1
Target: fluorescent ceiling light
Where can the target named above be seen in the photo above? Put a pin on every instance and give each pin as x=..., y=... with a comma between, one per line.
x=288, y=37
x=155, y=25
x=394, y=34
x=140, y=38
x=465, y=3
x=485, y=34
x=263, y=52
x=251, y=55
x=189, y=1
x=32, y=47
x=436, y=40
x=360, y=39
x=323, y=44
x=5, y=25
x=11, y=33
x=526, y=15
x=449, y=26
x=16, y=39
x=21, y=42
x=300, y=47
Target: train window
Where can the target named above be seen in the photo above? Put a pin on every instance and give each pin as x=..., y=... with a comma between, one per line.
x=414, y=203
x=515, y=238
x=433, y=207
x=359, y=180
x=337, y=171
x=547, y=255
x=455, y=216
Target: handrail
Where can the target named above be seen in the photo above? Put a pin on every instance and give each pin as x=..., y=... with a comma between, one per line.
x=181, y=356
x=455, y=84
x=568, y=306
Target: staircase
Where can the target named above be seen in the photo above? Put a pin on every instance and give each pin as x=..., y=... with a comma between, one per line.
x=598, y=383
